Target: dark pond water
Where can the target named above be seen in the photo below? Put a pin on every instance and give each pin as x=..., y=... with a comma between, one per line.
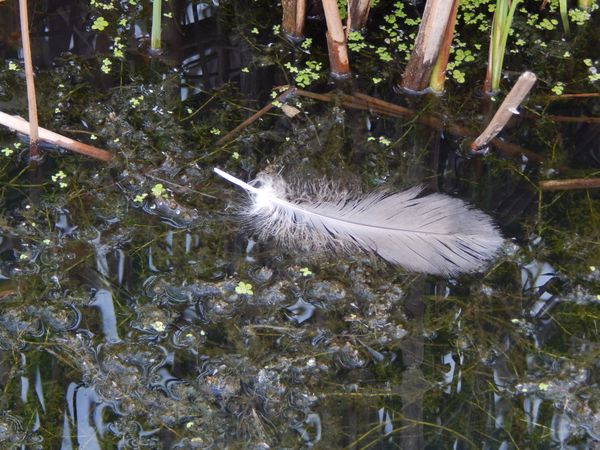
x=137, y=312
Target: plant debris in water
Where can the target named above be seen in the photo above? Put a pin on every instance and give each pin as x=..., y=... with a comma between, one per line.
x=135, y=313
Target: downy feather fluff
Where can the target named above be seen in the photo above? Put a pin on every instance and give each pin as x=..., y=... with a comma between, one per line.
x=435, y=234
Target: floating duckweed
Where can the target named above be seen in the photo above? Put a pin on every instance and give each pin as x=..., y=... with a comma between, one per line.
x=159, y=326
x=215, y=131
x=140, y=197
x=384, y=141
x=308, y=42
x=118, y=48
x=99, y=24
x=244, y=288
x=235, y=155
x=579, y=16
x=558, y=88
x=356, y=41
x=59, y=178
x=245, y=70
x=13, y=66
x=102, y=5
x=305, y=271
x=458, y=76
x=383, y=54
x=158, y=190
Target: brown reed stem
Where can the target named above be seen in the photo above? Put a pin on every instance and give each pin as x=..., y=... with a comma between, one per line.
x=438, y=76
x=257, y=115
x=506, y=110
x=358, y=14
x=22, y=126
x=294, y=13
x=336, y=40
x=571, y=184
x=436, y=18
x=34, y=152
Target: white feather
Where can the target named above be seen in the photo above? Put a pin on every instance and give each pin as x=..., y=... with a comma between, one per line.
x=435, y=234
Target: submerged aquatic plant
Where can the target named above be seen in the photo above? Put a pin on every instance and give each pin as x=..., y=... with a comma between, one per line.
x=503, y=17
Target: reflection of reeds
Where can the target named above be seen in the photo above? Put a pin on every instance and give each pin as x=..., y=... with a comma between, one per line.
x=34, y=153
x=156, y=24
x=505, y=11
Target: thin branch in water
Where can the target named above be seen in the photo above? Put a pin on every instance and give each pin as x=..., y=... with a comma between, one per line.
x=571, y=184
x=22, y=126
x=257, y=115
x=506, y=110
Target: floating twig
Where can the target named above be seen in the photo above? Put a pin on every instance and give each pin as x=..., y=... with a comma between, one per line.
x=34, y=152
x=257, y=115
x=570, y=184
x=22, y=126
x=506, y=110
x=572, y=96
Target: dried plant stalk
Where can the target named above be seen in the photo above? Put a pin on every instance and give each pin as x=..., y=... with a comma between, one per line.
x=294, y=13
x=358, y=13
x=436, y=19
x=566, y=185
x=506, y=110
x=336, y=40
x=22, y=126
x=438, y=77
x=34, y=153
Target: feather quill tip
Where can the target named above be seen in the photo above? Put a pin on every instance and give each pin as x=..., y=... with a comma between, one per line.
x=435, y=234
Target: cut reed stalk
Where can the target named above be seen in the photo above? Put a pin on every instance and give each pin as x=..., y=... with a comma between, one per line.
x=22, y=126
x=506, y=110
x=294, y=13
x=155, y=40
x=571, y=184
x=436, y=19
x=34, y=152
x=501, y=23
x=336, y=40
x=358, y=14
x=438, y=76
